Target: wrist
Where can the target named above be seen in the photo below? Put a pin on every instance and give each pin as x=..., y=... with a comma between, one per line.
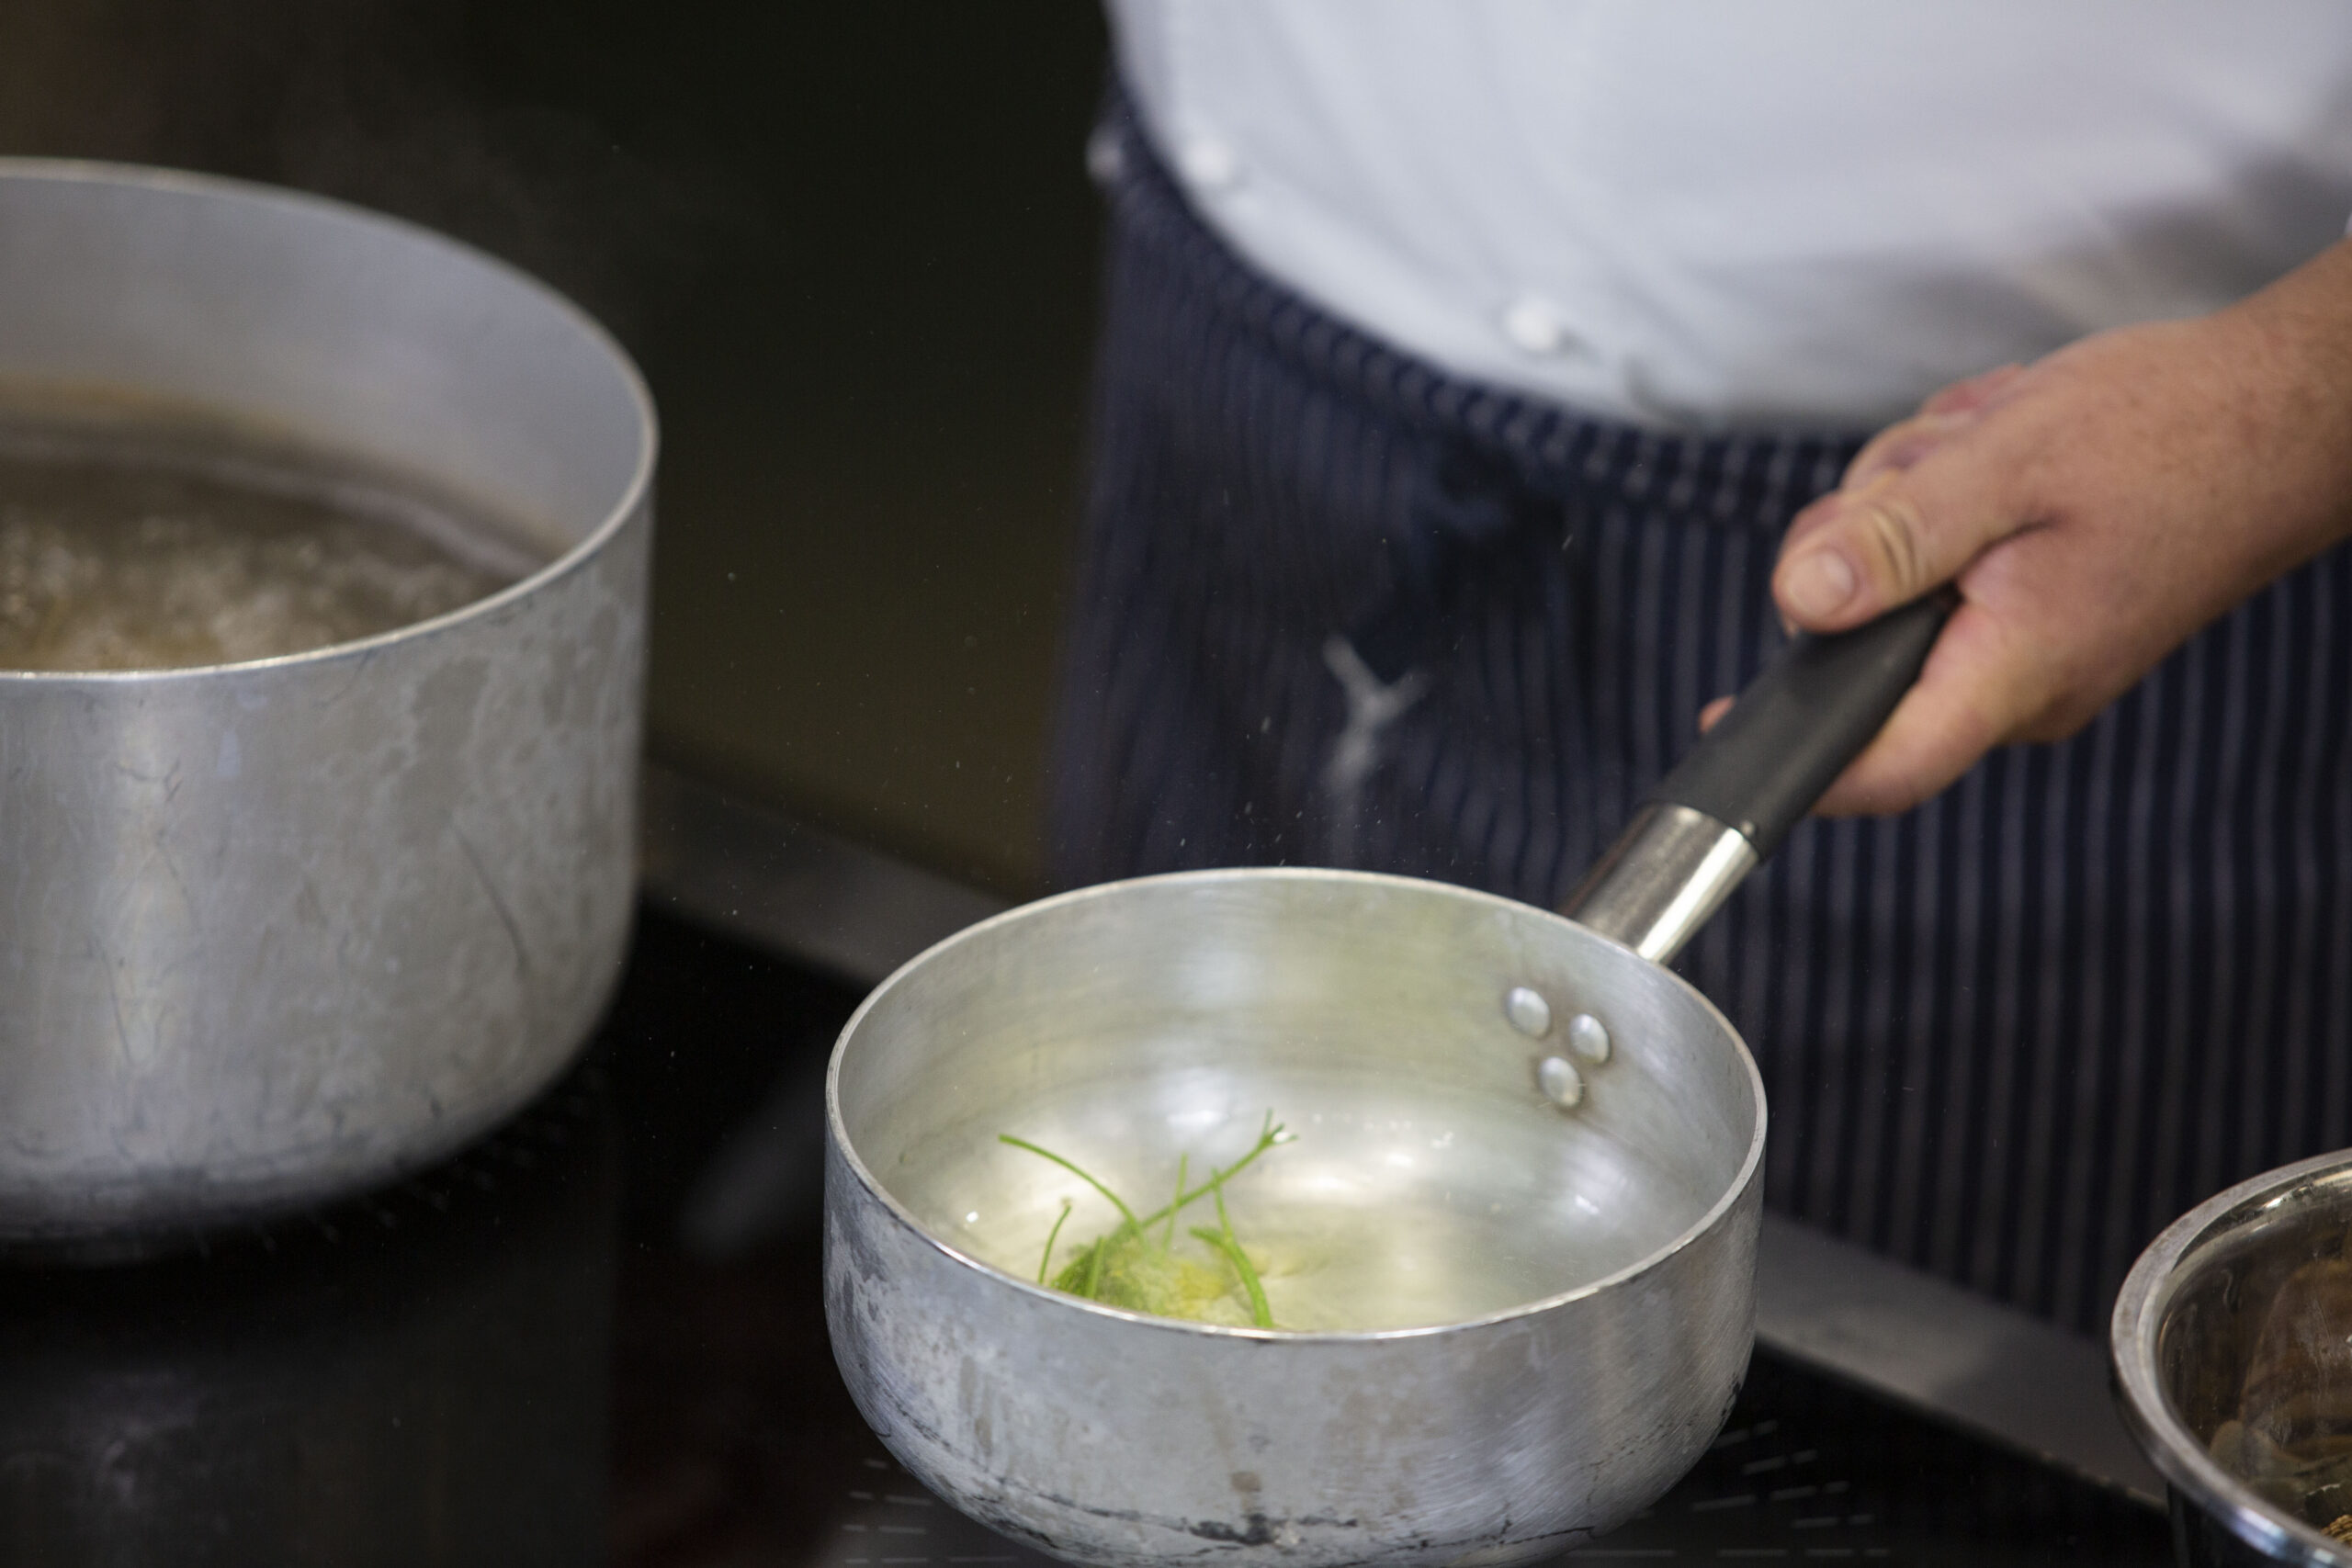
x=2291, y=344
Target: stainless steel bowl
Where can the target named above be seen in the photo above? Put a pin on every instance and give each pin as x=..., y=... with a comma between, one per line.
x=2232, y=1341
x=277, y=930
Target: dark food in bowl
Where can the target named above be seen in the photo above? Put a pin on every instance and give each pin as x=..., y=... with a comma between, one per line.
x=2291, y=1437
x=2233, y=1347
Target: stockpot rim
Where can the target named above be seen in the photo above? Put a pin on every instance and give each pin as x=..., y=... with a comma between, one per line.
x=2139, y=1312
x=630, y=502
x=837, y=1132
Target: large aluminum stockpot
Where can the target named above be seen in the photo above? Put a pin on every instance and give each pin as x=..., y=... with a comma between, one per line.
x=276, y=929
x=1517, y=1227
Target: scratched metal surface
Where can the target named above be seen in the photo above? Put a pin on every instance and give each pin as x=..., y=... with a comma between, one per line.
x=277, y=930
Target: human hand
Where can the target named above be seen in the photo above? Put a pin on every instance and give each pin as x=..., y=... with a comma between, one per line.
x=2094, y=509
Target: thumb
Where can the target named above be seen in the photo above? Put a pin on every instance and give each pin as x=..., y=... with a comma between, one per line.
x=1855, y=554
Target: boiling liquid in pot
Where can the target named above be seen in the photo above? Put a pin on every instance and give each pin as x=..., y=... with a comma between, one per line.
x=159, y=544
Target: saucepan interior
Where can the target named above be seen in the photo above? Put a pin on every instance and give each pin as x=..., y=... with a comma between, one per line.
x=1428, y=1178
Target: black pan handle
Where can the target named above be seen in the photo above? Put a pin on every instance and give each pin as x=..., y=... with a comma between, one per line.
x=1729, y=803
x=1811, y=712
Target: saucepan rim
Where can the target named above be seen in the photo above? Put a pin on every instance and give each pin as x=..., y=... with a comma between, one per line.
x=629, y=503
x=2139, y=1312
x=837, y=1131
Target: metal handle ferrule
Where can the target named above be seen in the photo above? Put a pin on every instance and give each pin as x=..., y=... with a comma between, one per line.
x=1669, y=871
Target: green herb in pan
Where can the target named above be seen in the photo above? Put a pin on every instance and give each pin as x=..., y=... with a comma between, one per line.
x=1132, y=1266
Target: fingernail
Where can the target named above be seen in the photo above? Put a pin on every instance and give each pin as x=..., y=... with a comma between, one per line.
x=1818, y=583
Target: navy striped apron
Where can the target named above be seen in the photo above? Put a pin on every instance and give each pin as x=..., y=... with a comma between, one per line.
x=1340, y=608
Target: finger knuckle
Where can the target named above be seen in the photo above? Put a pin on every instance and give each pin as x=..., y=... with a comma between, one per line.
x=1896, y=539
x=2063, y=715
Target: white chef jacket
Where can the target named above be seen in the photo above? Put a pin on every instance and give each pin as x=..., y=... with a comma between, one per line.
x=1705, y=213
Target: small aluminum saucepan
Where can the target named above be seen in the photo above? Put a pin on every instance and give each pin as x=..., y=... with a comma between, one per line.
x=1510, y=1250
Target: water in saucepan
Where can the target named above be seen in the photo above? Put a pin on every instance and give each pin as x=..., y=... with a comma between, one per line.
x=1372, y=1213
x=143, y=544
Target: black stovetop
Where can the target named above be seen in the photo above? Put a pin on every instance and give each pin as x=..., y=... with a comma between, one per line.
x=599, y=1337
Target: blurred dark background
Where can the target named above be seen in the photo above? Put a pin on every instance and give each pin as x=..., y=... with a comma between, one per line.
x=853, y=248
